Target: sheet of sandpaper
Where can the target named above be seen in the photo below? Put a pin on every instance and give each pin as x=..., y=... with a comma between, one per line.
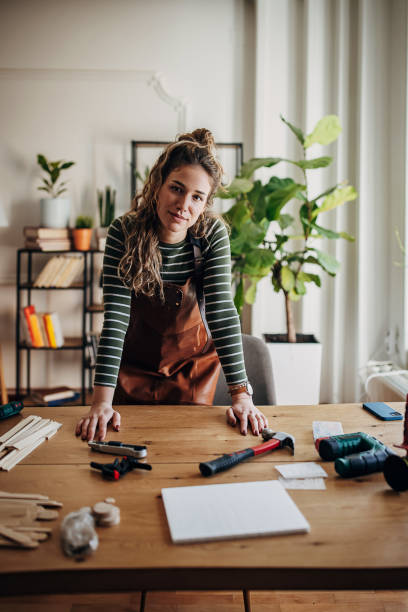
x=226, y=511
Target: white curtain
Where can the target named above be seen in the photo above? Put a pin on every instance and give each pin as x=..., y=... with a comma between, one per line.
x=344, y=57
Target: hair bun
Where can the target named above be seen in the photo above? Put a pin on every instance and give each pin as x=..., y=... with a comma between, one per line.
x=201, y=136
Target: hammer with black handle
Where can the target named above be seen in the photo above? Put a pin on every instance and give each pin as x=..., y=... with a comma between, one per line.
x=273, y=440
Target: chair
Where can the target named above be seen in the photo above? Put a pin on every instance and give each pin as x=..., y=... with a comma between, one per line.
x=259, y=370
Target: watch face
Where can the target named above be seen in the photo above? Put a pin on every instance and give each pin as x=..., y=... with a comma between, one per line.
x=249, y=388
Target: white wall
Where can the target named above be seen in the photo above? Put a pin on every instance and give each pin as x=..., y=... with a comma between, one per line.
x=77, y=81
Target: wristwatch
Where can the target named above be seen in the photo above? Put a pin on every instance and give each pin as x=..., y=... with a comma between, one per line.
x=241, y=388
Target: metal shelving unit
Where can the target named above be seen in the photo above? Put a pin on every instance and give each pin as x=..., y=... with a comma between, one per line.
x=88, y=310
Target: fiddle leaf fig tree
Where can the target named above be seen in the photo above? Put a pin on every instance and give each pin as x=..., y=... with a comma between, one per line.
x=291, y=254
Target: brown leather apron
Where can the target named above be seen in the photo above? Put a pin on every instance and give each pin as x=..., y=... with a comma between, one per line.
x=168, y=356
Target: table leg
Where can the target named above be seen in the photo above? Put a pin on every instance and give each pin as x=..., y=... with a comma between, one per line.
x=142, y=601
x=247, y=600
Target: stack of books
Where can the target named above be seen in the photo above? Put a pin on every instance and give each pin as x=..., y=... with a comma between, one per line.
x=92, y=341
x=56, y=396
x=40, y=329
x=47, y=238
x=60, y=271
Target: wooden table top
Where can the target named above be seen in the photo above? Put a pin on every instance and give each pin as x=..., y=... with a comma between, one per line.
x=359, y=527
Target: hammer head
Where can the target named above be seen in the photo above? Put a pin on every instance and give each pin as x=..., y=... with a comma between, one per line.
x=285, y=439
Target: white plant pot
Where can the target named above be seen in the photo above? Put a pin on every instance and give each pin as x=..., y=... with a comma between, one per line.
x=54, y=212
x=101, y=233
x=296, y=369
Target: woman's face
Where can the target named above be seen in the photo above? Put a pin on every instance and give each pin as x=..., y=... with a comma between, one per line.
x=181, y=200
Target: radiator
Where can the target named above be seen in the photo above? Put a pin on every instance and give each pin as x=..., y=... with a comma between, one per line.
x=387, y=386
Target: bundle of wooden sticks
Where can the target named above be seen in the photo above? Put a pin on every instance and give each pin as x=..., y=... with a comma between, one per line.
x=19, y=516
x=23, y=438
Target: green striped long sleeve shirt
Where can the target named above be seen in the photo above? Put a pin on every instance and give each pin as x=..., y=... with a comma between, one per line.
x=177, y=267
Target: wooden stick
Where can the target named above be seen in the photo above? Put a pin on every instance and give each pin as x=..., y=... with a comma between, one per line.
x=30, y=420
x=20, y=538
x=16, y=456
x=39, y=502
x=42, y=432
x=9, y=495
x=34, y=528
x=23, y=435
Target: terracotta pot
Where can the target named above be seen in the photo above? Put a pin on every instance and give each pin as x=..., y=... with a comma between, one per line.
x=82, y=238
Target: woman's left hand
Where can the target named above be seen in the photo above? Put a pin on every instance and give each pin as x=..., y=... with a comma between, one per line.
x=244, y=410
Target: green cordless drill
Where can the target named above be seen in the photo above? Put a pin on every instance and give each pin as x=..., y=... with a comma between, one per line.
x=354, y=454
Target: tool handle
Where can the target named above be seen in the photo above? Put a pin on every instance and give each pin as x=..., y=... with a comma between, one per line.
x=8, y=410
x=339, y=446
x=209, y=468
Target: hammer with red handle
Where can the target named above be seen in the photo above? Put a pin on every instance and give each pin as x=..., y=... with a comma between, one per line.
x=273, y=440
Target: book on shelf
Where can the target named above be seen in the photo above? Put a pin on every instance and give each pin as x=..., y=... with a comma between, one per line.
x=48, y=244
x=60, y=271
x=92, y=341
x=55, y=394
x=50, y=233
x=42, y=329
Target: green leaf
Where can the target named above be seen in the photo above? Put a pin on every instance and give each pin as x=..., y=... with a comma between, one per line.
x=236, y=188
x=327, y=262
x=55, y=164
x=287, y=278
x=324, y=193
x=258, y=263
x=250, y=293
x=346, y=236
x=54, y=175
x=254, y=163
x=293, y=296
x=249, y=237
x=297, y=131
x=43, y=163
x=285, y=221
x=236, y=215
x=280, y=196
x=326, y=233
x=44, y=189
x=318, y=162
x=66, y=165
x=339, y=196
x=239, y=297
x=326, y=131
x=60, y=191
x=300, y=285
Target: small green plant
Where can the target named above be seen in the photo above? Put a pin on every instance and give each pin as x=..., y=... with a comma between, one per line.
x=106, y=206
x=83, y=222
x=53, y=170
x=289, y=250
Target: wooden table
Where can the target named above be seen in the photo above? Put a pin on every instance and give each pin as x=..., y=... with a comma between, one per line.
x=359, y=527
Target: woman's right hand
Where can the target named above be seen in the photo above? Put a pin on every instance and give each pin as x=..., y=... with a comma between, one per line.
x=99, y=416
x=97, y=419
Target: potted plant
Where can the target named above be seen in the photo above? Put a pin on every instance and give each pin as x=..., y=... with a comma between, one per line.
x=82, y=233
x=106, y=208
x=54, y=210
x=269, y=240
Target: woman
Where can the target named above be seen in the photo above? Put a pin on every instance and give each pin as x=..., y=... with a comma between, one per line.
x=162, y=260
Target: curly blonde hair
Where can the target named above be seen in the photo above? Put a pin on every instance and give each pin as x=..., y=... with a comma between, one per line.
x=140, y=266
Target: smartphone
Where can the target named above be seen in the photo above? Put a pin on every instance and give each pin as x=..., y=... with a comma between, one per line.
x=383, y=411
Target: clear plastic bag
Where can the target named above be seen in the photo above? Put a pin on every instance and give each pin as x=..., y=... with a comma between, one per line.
x=78, y=536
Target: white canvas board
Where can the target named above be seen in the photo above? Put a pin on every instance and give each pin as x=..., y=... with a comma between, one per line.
x=225, y=511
